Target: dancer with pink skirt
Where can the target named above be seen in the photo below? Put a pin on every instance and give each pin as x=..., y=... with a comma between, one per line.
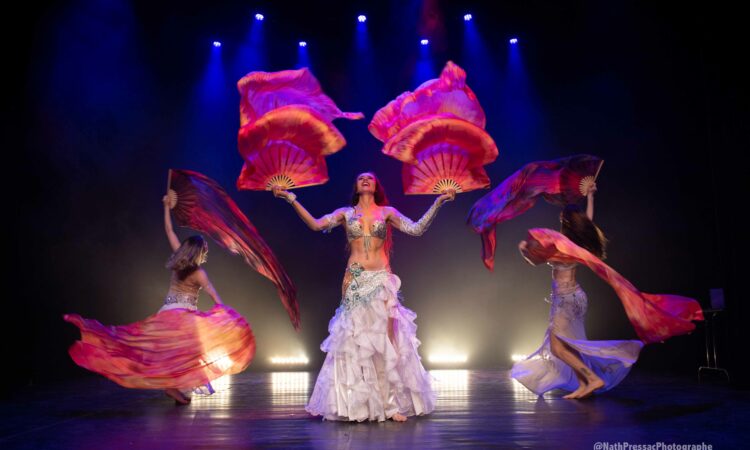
x=178, y=348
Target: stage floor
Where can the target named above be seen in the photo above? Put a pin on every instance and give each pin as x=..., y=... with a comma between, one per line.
x=475, y=409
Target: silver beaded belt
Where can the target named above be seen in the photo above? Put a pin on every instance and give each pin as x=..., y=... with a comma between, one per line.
x=181, y=298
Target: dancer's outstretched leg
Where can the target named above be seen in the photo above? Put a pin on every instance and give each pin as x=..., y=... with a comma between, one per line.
x=589, y=381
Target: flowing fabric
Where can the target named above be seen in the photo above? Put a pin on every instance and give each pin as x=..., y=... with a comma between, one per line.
x=299, y=125
x=285, y=147
x=438, y=131
x=445, y=166
x=175, y=348
x=655, y=317
x=557, y=181
x=281, y=164
x=609, y=360
x=446, y=96
x=365, y=375
x=204, y=206
x=286, y=129
x=425, y=134
x=261, y=92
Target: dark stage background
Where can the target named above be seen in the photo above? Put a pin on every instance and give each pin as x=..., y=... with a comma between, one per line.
x=108, y=95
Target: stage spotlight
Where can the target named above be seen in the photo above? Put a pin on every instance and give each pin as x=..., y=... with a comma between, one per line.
x=259, y=17
x=513, y=41
x=302, y=44
x=517, y=357
x=290, y=360
x=448, y=358
x=217, y=44
x=362, y=18
x=468, y=17
x=424, y=41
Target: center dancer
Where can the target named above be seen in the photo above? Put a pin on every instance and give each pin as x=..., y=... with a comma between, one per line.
x=372, y=370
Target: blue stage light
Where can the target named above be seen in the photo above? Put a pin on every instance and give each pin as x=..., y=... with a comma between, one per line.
x=513, y=41
x=424, y=41
x=217, y=44
x=362, y=18
x=467, y=17
x=259, y=17
x=302, y=44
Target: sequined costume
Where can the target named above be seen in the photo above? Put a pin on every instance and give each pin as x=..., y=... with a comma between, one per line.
x=610, y=360
x=378, y=228
x=368, y=375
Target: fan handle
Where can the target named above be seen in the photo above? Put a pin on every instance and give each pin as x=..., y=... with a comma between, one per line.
x=171, y=194
x=587, y=182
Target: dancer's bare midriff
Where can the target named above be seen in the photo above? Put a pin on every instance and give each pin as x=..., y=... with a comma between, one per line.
x=373, y=259
x=565, y=280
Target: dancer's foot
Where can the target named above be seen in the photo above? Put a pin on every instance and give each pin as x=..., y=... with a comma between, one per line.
x=577, y=393
x=592, y=386
x=398, y=417
x=177, y=396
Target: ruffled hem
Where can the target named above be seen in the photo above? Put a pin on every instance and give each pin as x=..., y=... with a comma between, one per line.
x=610, y=360
x=365, y=376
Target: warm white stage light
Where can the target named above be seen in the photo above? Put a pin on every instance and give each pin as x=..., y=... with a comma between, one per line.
x=219, y=359
x=290, y=360
x=448, y=358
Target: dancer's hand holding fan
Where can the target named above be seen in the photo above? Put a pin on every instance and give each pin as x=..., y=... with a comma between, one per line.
x=201, y=204
x=560, y=182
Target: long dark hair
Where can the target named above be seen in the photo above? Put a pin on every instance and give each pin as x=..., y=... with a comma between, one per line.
x=577, y=227
x=188, y=257
x=381, y=199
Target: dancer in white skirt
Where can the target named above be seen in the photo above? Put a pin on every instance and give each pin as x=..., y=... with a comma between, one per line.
x=566, y=359
x=372, y=370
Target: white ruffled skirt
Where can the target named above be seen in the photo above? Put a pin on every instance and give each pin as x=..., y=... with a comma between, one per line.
x=365, y=376
x=610, y=360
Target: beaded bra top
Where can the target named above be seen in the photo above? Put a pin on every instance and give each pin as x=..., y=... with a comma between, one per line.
x=355, y=227
x=379, y=228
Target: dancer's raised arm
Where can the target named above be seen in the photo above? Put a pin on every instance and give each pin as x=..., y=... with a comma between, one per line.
x=324, y=223
x=174, y=241
x=532, y=252
x=408, y=226
x=590, y=202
